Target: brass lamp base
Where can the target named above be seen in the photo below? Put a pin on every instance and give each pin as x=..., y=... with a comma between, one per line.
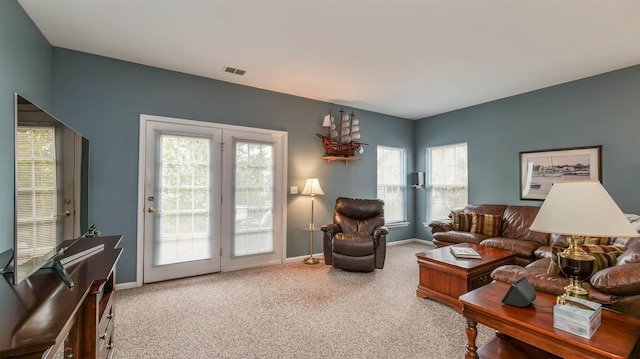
x=574, y=289
x=578, y=265
x=311, y=260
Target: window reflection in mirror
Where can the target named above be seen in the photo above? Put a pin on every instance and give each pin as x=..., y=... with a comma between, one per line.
x=51, y=186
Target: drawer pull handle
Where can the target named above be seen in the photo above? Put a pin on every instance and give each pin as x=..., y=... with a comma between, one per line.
x=484, y=279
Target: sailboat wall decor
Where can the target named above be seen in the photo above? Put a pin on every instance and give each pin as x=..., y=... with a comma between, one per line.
x=342, y=140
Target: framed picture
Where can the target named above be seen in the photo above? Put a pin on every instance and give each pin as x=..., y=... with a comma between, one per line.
x=539, y=170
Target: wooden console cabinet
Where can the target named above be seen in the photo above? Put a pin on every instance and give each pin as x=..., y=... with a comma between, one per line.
x=42, y=318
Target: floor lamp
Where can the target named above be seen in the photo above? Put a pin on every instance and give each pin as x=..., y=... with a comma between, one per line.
x=312, y=188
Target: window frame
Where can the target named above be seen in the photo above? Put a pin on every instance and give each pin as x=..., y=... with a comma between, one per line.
x=429, y=187
x=402, y=185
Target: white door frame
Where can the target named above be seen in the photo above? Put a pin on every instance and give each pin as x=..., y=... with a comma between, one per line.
x=280, y=222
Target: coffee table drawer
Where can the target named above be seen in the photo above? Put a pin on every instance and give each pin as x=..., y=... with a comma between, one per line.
x=479, y=281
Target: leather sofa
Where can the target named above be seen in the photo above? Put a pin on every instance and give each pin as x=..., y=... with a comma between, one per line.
x=616, y=287
x=513, y=233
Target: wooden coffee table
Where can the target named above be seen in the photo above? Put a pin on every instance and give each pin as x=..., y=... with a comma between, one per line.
x=529, y=332
x=444, y=277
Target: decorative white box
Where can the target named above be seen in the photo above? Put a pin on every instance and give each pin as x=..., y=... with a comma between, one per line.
x=578, y=316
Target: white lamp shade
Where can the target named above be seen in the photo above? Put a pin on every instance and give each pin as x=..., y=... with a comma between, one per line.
x=582, y=208
x=312, y=188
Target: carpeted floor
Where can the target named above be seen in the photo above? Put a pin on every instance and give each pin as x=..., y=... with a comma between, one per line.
x=291, y=311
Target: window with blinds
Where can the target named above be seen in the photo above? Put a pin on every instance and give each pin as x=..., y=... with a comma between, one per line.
x=37, y=192
x=447, y=188
x=391, y=183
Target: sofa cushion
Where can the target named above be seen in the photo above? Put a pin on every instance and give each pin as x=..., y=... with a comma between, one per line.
x=516, y=221
x=543, y=252
x=486, y=224
x=540, y=280
x=461, y=221
x=618, y=280
x=459, y=237
x=631, y=255
x=522, y=248
x=353, y=244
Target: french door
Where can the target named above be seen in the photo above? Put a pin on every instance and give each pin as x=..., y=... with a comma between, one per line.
x=251, y=186
x=213, y=198
x=182, y=218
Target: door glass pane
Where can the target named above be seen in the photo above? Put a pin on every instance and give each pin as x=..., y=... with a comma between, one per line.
x=182, y=232
x=253, y=198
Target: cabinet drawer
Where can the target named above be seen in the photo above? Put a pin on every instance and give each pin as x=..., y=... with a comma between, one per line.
x=106, y=352
x=479, y=281
x=105, y=327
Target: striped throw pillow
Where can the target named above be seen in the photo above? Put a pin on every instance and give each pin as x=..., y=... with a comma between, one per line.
x=605, y=256
x=461, y=221
x=487, y=224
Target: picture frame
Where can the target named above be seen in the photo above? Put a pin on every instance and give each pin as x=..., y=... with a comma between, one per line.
x=539, y=170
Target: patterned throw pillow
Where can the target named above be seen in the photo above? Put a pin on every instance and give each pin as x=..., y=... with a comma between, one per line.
x=605, y=256
x=487, y=224
x=554, y=267
x=461, y=221
x=603, y=241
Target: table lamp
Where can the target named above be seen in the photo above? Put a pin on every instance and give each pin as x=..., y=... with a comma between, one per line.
x=312, y=188
x=580, y=209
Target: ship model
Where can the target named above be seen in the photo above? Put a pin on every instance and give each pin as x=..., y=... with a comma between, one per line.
x=343, y=142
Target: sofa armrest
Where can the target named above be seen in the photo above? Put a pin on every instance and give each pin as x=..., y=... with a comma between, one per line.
x=619, y=280
x=441, y=225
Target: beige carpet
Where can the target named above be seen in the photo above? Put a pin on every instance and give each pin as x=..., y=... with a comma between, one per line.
x=291, y=311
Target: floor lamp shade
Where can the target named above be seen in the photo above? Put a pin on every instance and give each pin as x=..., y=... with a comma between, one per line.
x=312, y=188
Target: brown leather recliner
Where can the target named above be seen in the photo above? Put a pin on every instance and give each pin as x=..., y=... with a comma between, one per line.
x=357, y=238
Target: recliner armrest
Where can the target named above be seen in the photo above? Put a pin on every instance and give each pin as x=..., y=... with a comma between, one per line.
x=380, y=230
x=331, y=228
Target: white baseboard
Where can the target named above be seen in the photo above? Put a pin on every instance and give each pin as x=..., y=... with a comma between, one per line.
x=320, y=256
x=129, y=285
x=389, y=244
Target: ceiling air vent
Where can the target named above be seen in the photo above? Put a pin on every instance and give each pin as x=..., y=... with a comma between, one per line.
x=233, y=70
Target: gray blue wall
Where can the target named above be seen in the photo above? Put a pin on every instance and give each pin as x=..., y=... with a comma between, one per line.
x=600, y=110
x=103, y=98
x=25, y=67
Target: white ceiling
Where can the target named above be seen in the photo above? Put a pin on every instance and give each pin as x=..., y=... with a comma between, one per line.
x=405, y=58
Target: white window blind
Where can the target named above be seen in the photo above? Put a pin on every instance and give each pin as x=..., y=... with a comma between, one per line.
x=36, y=192
x=391, y=183
x=447, y=188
